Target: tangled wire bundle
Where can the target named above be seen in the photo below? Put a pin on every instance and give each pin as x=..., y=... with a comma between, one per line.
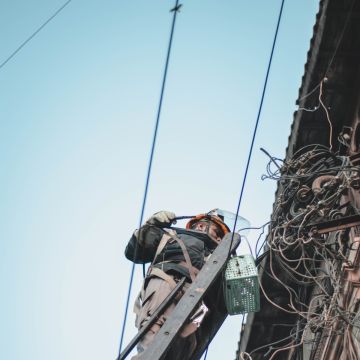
x=311, y=187
x=308, y=265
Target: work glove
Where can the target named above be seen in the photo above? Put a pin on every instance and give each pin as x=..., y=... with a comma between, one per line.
x=162, y=218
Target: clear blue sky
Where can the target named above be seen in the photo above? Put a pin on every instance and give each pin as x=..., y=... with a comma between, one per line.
x=77, y=111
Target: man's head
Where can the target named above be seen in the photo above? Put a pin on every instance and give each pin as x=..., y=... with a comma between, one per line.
x=210, y=224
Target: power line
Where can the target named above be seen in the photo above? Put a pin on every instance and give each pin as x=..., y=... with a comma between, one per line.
x=34, y=34
x=258, y=114
x=175, y=10
x=255, y=128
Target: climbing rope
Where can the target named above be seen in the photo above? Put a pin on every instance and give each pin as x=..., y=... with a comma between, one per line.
x=174, y=11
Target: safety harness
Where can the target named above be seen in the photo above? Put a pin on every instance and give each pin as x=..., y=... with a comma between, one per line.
x=156, y=271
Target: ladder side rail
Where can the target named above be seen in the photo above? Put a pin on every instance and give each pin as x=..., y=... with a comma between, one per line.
x=162, y=307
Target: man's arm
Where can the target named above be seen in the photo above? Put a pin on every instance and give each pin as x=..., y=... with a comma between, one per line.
x=144, y=242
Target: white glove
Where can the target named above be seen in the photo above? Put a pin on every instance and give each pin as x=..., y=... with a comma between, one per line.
x=162, y=218
x=199, y=314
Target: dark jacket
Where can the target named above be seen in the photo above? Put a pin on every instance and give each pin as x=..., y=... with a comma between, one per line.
x=145, y=241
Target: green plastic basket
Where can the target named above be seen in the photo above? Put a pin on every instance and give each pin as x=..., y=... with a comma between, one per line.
x=241, y=285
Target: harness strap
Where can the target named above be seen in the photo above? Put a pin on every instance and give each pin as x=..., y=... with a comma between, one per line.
x=164, y=240
x=153, y=271
x=163, y=275
x=186, y=256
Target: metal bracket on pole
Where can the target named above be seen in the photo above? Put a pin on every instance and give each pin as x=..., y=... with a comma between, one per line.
x=335, y=225
x=208, y=278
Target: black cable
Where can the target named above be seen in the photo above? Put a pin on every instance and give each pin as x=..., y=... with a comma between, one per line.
x=34, y=34
x=257, y=119
x=256, y=123
x=175, y=11
x=271, y=158
x=206, y=352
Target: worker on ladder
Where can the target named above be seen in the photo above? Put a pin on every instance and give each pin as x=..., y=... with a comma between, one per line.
x=174, y=253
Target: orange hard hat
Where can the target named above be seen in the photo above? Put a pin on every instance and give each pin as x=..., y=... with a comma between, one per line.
x=206, y=217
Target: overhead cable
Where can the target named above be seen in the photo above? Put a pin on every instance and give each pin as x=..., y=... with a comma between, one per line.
x=57, y=12
x=258, y=115
x=175, y=11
